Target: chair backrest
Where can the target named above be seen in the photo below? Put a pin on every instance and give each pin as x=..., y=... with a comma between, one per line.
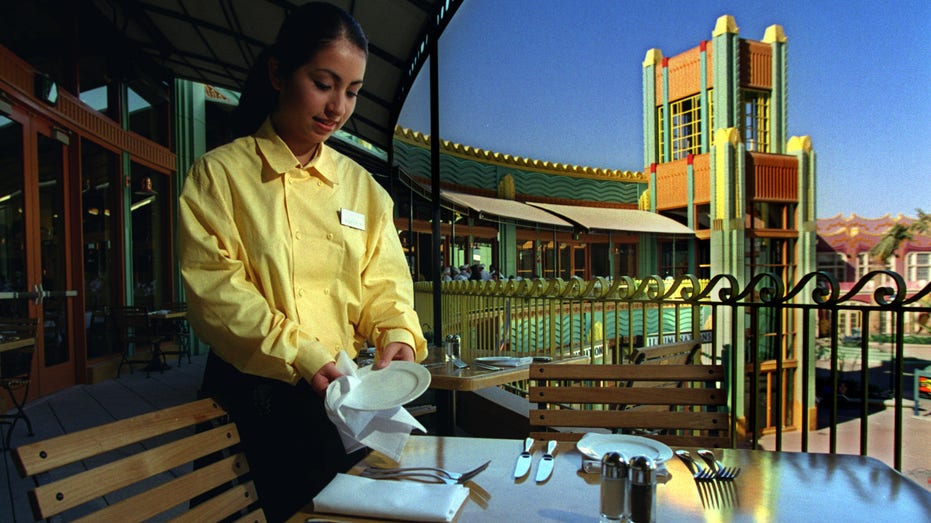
x=574, y=399
x=17, y=363
x=680, y=353
x=132, y=323
x=144, y=465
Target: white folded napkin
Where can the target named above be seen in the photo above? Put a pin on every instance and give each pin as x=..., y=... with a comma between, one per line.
x=402, y=500
x=383, y=430
x=506, y=361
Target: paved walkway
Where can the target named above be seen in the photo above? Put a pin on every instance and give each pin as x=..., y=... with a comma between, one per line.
x=84, y=406
x=916, y=429
x=88, y=405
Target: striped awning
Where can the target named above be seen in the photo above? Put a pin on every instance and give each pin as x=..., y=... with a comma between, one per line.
x=608, y=219
x=503, y=208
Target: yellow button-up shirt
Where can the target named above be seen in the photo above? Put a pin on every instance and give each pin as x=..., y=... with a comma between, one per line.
x=284, y=266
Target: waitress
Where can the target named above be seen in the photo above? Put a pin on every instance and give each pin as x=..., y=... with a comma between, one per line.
x=289, y=254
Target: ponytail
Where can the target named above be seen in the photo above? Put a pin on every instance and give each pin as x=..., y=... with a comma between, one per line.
x=258, y=98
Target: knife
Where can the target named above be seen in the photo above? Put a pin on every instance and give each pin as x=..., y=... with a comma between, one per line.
x=524, y=460
x=545, y=468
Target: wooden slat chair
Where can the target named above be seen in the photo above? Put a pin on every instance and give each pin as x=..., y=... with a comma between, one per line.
x=680, y=353
x=16, y=372
x=142, y=467
x=575, y=399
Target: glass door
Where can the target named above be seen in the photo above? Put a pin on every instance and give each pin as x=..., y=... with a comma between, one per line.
x=12, y=223
x=34, y=241
x=57, y=354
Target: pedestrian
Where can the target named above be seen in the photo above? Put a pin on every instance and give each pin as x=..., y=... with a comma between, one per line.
x=289, y=255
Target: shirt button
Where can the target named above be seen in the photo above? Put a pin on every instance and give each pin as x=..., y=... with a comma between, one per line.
x=290, y=181
x=329, y=236
x=300, y=293
x=319, y=184
x=298, y=235
x=326, y=291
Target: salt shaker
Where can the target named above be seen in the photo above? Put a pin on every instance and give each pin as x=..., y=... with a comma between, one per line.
x=614, y=488
x=452, y=347
x=642, y=490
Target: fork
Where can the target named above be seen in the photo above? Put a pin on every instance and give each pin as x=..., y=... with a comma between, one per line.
x=698, y=472
x=443, y=475
x=720, y=471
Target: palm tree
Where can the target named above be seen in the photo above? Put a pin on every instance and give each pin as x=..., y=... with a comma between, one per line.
x=898, y=233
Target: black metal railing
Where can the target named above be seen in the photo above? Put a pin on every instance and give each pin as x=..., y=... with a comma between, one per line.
x=791, y=352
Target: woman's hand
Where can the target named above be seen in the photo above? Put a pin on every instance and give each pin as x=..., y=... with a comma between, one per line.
x=395, y=351
x=323, y=378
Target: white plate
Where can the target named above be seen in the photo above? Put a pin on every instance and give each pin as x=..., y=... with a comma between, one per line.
x=505, y=361
x=393, y=386
x=595, y=445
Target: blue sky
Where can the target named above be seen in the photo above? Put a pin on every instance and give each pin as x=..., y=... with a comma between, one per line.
x=560, y=80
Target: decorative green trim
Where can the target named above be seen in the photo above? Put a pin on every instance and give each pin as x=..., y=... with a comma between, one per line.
x=466, y=152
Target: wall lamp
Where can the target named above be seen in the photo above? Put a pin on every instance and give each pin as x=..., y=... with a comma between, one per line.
x=45, y=88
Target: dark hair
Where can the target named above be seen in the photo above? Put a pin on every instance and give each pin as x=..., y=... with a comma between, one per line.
x=305, y=31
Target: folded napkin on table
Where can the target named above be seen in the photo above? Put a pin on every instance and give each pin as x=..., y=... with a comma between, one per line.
x=383, y=430
x=507, y=361
x=403, y=500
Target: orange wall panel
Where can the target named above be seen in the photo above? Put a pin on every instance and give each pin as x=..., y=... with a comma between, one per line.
x=672, y=185
x=775, y=177
x=685, y=74
x=756, y=69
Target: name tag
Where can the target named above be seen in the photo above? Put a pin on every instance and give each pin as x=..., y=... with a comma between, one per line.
x=352, y=219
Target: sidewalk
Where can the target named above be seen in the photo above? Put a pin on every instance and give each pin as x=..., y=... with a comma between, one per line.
x=83, y=406
x=916, y=429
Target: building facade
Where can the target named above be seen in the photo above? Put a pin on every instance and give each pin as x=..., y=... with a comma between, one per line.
x=844, y=245
x=94, y=146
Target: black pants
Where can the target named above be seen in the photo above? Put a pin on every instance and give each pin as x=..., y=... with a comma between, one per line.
x=292, y=447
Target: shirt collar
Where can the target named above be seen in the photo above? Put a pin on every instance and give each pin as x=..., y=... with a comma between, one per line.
x=281, y=160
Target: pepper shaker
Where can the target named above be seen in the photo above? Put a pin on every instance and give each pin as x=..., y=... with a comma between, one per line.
x=452, y=347
x=615, y=486
x=642, y=490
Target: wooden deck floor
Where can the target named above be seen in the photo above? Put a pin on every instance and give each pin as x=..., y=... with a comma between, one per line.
x=83, y=406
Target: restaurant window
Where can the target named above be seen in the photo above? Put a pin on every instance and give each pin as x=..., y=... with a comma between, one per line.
x=625, y=260
x=150, y=230
x=148, y=114
x=833, y=263
x=756, y=121
x=918, y=266
x=600, y=266
x=526, y=260
x=579, y=260
x=99, y=202
x=674, y=257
